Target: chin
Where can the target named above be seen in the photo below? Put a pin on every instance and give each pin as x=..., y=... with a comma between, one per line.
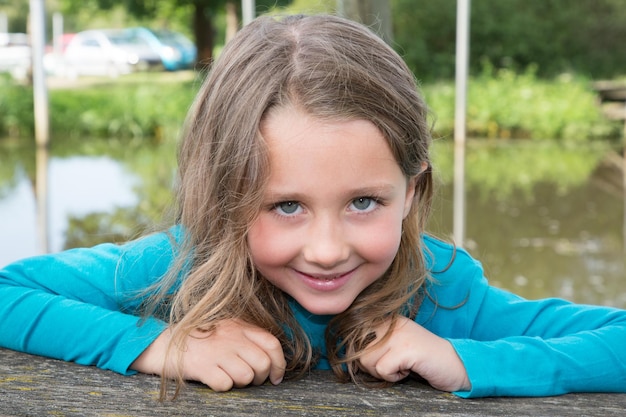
x=325, y=309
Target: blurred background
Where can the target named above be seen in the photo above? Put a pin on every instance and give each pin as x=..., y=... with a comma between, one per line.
x=545, y=120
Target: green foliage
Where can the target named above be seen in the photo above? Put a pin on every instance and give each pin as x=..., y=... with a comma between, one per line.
x=16, y=108
x=505, y=104
x=17, y=14
x=136, y=109
x=501, y=104
x=128, y=107
x=304, y=6
x=582, y=36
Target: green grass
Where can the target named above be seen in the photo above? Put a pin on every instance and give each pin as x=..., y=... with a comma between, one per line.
x=501, y=105
x=140, y=105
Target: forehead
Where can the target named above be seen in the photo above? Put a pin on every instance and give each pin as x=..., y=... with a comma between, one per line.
x=305, y=151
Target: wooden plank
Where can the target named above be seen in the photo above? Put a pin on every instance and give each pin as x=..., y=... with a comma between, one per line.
x=610, y=90
x=35, y=386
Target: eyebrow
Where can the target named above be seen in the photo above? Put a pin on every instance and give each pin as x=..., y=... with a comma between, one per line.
x=375, y=190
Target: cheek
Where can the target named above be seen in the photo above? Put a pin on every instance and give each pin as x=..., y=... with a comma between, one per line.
x=267, y=244
x=381, y=244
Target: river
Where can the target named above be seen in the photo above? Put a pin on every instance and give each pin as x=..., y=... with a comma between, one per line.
x=544, y=219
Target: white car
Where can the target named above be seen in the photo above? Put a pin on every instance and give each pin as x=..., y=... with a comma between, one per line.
x=15, y=54
x=109, y=52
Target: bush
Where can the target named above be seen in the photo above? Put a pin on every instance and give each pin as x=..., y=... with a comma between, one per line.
x=504, y=104
x=501, y=104
x=16, y=108
x=122, y=110
x=142, y=106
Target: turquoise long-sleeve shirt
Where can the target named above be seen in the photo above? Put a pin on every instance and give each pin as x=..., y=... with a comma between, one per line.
x=80, y=305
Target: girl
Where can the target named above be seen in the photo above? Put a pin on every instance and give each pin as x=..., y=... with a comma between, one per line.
x=304, y=187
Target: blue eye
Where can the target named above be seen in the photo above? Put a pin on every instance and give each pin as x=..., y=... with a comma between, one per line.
x=365, y=204
x=288, y=207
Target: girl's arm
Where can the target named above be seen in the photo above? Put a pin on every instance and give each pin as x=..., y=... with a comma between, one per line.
x=510, y=346
x=517, y=347
x=80, y=305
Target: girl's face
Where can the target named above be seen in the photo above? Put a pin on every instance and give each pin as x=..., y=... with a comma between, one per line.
x=333, y=208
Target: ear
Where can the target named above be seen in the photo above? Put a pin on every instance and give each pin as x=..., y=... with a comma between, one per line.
x=410, y=191
x=410, y=194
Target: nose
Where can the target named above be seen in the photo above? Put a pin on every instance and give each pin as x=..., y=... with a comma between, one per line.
x=326, y=244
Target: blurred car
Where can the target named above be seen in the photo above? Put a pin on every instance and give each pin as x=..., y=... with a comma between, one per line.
x=175, y=49
x=63, y=41
x=15, y=54
x=110, y=52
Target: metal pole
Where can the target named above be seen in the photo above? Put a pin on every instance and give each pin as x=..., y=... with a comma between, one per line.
x=460, y=110
x=40, y=97
x=247, y=11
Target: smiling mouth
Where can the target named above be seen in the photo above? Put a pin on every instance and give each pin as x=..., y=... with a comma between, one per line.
x=329, y=277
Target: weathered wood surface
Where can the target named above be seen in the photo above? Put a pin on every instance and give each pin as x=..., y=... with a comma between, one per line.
x=35, y=386
x=611, y=90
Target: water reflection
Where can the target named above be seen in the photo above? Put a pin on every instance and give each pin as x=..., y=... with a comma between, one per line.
x=78, y=185
x=41, y=195
x=541, y=218
x=556, y=236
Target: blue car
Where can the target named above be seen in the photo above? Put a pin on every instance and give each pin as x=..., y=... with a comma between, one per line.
x=177, y=52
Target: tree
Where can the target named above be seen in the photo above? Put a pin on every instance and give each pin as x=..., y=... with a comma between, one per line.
x=373, y=13
x=555, y=36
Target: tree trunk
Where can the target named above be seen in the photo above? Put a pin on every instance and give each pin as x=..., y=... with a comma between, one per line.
x=375, y=14
x=232, y=22
x=203, y=31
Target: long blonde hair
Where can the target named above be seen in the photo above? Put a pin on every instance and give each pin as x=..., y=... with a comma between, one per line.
x=333, y=69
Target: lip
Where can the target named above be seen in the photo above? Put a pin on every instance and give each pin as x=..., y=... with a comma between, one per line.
x=325, y=282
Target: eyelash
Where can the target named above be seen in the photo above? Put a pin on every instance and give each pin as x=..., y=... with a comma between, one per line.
x=377, y=201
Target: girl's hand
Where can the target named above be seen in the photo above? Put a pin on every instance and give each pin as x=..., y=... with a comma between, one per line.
x=235, y=354
x=411, y=348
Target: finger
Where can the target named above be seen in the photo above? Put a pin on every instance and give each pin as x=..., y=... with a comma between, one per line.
x=368, y=362
x=218, y=380
x=259, y=361
x=392, y=369
x=239, y=371
x=274, y=351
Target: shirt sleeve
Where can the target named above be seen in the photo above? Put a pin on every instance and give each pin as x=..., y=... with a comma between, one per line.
x=511, y=346
x=545, y=347
x=81, y=305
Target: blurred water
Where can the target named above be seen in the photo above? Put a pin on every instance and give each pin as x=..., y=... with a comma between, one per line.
x=544, y=222
x=78, y=185
x=562, y=244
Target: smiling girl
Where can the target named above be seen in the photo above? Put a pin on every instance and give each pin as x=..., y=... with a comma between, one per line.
x=304, y=187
